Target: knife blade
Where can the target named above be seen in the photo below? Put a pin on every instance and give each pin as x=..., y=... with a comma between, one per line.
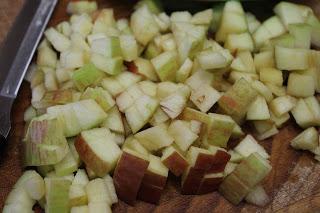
x=17, y=51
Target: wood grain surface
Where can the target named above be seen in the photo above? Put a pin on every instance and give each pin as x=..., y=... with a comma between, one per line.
x=293, y=184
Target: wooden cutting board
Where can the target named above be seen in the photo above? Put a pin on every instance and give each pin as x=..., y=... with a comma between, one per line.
x=293, y=184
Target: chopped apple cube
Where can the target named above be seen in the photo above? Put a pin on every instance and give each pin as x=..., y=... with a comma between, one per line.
x=251, y=171
x=236, y=100
x=108, y=46
x=220, y=159
x=174, y=104
x=57, y=194
x=129, y=47
x=282, y=105
x=133, y=144
x=253, y=22
x=239, y=42
x=128, y=175
x=47, y=57
x=271, y=75
x=313, y=21
x=302, y=35
x=306, y=140
x=291, y=58
x=143, y=67
x=233, y=20
x=210, y=183
x=191, y=180
x=301, y=86
x=258, y=109
x=159, y=117
x=59, y=41
x=184, y=71
x=101, y=96
x=203, y=17
x=182, y=134
x=248, y=146
x=111, y=66
x=97, y=191
x=143, y=25
x=114, y=121
x=263, y=90
x=209, y=59
x=199, y=78
x=77, y=195
x=268, y=133
x=94, y=143
x=174, y=161
x=243, y=62
x=302, y=114
x=165, y=65
x=155, y=138
x=264, y=59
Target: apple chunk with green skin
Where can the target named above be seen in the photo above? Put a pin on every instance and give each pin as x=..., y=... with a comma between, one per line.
x=155, y=138
x=174, y=161
x=101, y=96
x=306, y=140
x=219, y=130
x=258, y=110
x=57, y=194
x=98, y=150
x=45, y=142
x=166, y=65
x=248, y=146
x=154, y=181
x=129, y=174
x=111, y=66
x=301, y=86
x=86, y=76
x=250, y=172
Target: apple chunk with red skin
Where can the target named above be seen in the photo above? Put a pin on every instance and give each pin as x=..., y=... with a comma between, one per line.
x=98, y=150
x=154, y=181
x=210, y=182
x=174, y=161
x=221, y=158
x=129, y=174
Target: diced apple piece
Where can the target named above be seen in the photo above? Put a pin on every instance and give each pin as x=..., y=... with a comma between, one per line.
x=66, y=166
x=165, y=65
x=184, y=71
x=253, y=22
x=72, y=59
x=174, y=104
x=285, y=40
x=291, y=13
x=86, y=76
x=276, y=90
x=264, y=59
x=59, y=41
x=291, y=58
x=101, y=96
x=248, y=146
x=235, y=76
x=57, y=194
x=129, y=47
x=220, y=159
x=16, y=207
x=271, y=75
x=32, y=183
x=141, y=112
x=133, y=144
x=203, y=17
x=235, y=157
x=219, y=130
x=209, y=59
x=263, y=90
x=258, y=109
x=155, y=138
x=279, y=120
x=97, y=191
x=205, y=97
x=108, y=46
x=239, y=42
x=302, y=35
x=307, y=140
x=128, y=175
x=154, y=181
x=257, y=196
x=282, y=105
x=233, y=20
x=191, y=180
x=199, y=78
x=114, y=121
x=143, y=25
x=301, y=86
x=313, y=21
x=127, y=98
x=46, y=57
x=159, y=117
x=243, y=62
x=247, y=174
x=80, y=178
x=302, y=114
x=230, y=167
x=143, y=67
x=268, y=133
x=182, y=134
x=149, y=88
x=91, y=146
x=236, y=100
x=45, y=143
x=111, y=66
x=210, y=183
x=174, y=161
x=111, y=188
x=77, y=195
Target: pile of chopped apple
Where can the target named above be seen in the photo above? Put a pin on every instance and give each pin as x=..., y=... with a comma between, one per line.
x=138, y=98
